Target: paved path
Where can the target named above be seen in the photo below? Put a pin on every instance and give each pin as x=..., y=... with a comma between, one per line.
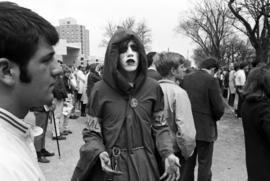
x=228, y=161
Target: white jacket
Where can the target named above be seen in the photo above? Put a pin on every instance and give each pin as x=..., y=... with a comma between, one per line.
x=177, y=112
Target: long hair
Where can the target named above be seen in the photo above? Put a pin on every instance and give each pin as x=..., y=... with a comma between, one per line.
x=258, y=83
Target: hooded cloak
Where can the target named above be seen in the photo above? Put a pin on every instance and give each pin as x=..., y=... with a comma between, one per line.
x=125, y=117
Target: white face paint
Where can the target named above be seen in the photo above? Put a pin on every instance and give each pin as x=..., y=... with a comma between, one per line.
x=129, y=59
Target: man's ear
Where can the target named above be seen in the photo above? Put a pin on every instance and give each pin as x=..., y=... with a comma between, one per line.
x=7, y=73
x=173, y=71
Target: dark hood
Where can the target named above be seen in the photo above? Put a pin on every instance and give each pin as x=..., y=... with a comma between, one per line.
x=112, y=75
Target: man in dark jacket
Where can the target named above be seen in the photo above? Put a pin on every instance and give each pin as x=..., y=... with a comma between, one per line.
x=124, y=107
x=207, y=108
x=152, y=71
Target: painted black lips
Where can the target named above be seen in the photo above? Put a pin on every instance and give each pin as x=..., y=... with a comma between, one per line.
x=130, y=61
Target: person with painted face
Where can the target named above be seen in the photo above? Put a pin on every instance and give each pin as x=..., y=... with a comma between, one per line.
x=124, y=107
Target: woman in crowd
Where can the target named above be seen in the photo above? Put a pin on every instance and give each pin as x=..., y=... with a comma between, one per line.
x=256, y=123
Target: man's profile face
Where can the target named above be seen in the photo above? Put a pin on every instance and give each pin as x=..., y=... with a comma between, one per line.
x=181, y=71
x=43, y=69
x=155, y=58
x=129, y=57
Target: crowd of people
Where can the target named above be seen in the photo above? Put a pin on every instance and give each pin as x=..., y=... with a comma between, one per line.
x=71, y=92
x=148, y=116
x=232, y=80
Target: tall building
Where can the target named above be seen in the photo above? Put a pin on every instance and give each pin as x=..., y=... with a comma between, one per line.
x=74, y=33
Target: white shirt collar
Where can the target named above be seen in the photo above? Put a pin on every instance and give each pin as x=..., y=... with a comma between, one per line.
x=14, y=123
x=206, y=70
x=152, y=68
x=166, y=81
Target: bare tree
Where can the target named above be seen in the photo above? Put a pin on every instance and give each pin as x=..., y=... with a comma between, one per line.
x=254, y=16
x=128, y=23
x=198, y=55
x=144, y=34
x=140, y=28
x=109, y=31
x=237, y=50
x=208, y=26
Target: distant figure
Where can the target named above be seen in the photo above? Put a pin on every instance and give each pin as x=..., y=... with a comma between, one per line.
x=152, y=71
x=240, y=80
x=28, y=72
x=256, y=123
x=232, y=89
x=81, y=82
x=92, y=78
x=60, y=94
x=207, y=108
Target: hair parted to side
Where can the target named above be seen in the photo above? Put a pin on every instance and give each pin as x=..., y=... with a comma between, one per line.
x=258, y=83
x=209, y=63
x=168, y=60
x=20, y=32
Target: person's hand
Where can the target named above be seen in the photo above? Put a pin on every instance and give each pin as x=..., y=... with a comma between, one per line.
x=106, y=164
x=172, y=165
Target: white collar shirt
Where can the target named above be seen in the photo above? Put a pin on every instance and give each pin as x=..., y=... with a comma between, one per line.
x=18, y=160
x=240, y=78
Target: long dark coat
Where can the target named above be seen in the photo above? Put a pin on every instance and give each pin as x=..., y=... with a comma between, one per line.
x=256, y=123
x=125, y=120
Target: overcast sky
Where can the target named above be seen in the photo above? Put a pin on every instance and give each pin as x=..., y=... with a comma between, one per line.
x=161, y=16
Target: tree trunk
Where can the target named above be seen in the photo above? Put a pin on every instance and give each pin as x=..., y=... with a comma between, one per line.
x=261, y=55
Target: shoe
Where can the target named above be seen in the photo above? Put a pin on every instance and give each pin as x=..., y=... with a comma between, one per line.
x=69, y=132
x=43, y=159
x=83, y=115
x=73, y=116
x=61, y=137
x=64, y=133
x=44, y=152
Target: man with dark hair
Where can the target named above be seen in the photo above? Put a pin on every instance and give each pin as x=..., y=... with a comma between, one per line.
x=124, y=107
x=28, y=72
x=152, y=71
x=209, y=63
x=149, y=57
x=207, y=108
